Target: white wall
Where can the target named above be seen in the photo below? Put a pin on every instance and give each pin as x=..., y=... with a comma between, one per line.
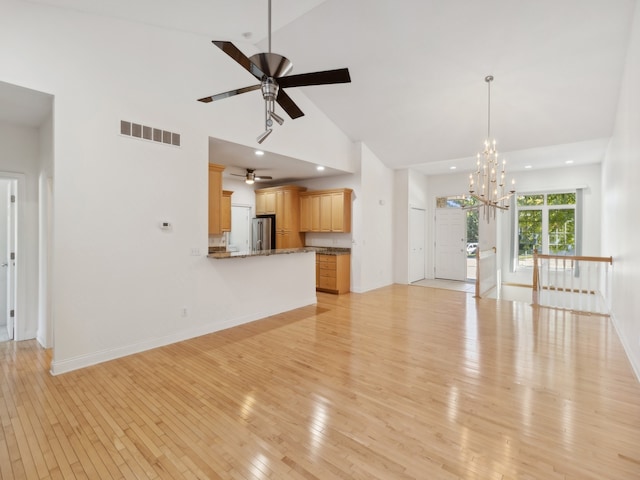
x=401, y=226
x=44, y=332
x=410, y=191
x=620, y=179
x=376, y=237
x=119, y=282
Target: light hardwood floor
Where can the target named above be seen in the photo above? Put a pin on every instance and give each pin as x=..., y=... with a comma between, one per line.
x=398, y=383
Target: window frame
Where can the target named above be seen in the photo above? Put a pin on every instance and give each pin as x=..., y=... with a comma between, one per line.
x=545, y=208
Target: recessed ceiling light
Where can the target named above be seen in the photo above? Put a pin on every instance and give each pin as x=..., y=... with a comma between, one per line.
x=569, y=162
x=259, y=153
x=527, y=166
x=320, y=168
x=453, y=168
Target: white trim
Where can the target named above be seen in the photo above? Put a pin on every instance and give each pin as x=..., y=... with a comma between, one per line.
x=635, y=364
x=82, y=361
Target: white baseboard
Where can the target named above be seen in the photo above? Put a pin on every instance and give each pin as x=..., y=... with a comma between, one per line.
x=635, y=362
x=94, y=358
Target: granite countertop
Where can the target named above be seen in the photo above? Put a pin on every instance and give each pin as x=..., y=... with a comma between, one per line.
x=259, y=253
x=332, y=250
x=217, y=253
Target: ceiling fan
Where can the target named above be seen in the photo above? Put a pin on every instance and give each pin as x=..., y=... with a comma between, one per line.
x=251, y=177
x=271, y=69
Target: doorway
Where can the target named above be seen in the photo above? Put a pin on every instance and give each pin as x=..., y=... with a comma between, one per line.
x=8, y=241
x=473, y=243
x=451, y=240
x=240, y=235
x=416, y=244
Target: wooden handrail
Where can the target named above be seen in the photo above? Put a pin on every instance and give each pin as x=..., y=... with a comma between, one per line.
x=573, y=261
x=579, y=258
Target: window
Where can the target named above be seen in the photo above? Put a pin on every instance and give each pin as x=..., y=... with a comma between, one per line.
x=546, y=223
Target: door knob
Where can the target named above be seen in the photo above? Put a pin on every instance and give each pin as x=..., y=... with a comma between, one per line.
x=4, y=265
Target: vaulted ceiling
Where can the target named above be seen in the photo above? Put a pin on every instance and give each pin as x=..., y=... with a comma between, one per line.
x=418, y=97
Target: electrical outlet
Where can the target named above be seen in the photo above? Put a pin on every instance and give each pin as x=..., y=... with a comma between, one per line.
x=195, y=252
x=184, y=312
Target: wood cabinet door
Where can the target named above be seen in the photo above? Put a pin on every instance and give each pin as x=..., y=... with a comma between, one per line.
x=225, y=211
x=270, y=202
x=283, y=214
x=260, y=203
x=315, y=213
x=215, y=199
x=337, y=212
x=305, y=213
x=325, y=212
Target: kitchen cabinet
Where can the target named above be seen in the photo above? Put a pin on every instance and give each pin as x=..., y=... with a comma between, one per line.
x=333, y=273
x=225, y=211
x=265, y=202
x=215, y=199
x=284, y=202
x=327, y=211
x=305, y=213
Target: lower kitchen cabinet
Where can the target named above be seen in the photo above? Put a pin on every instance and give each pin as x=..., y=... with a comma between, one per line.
x=333, y=273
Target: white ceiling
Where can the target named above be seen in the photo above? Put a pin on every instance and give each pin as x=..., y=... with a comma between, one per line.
x=418, y=97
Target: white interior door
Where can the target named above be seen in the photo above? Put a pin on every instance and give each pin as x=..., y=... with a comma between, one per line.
x=416, y=244
x=6, y=263
x=240, y=236
x=451, y=241
x=12, y=248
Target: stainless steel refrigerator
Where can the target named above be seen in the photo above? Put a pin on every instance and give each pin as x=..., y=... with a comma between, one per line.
x=263, y=231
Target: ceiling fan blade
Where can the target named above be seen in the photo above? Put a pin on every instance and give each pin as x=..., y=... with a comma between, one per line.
x=235, y=53
x=263, y=177
x=288, y=105
x=327, y=77
x=230, y=93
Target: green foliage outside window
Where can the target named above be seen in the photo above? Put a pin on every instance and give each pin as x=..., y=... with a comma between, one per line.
x=530, y=200
x=529, y=232
x=562, y=239
x=556, y=235
x=561, y=199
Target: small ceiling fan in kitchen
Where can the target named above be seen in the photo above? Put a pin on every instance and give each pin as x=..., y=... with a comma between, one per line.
x=250, y=177
x=271, y=69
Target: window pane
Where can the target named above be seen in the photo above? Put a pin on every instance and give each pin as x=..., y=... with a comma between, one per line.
x=528, y=200
x=561, y=199
x=529, y=235
x=562, y=231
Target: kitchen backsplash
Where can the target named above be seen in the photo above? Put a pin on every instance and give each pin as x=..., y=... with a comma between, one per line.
x=340, y=240
x=219, y=240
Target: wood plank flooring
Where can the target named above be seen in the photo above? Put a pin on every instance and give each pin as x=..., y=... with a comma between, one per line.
x=398, y=383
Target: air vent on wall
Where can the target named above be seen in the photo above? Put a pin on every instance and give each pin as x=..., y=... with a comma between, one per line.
x=143, y=132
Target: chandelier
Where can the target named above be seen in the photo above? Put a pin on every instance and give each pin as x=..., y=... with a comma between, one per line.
x=487, y=184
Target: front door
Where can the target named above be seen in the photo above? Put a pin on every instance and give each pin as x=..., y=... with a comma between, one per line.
x=451, y=240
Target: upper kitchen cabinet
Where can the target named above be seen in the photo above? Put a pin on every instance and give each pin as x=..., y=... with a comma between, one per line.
x=215, y=199
x=284, y=202
x=225, y=214
x=265, y=201
x=326, y=210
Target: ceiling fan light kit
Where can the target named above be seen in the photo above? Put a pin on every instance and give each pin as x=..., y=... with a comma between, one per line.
x=250, y=177
x=271, y=69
